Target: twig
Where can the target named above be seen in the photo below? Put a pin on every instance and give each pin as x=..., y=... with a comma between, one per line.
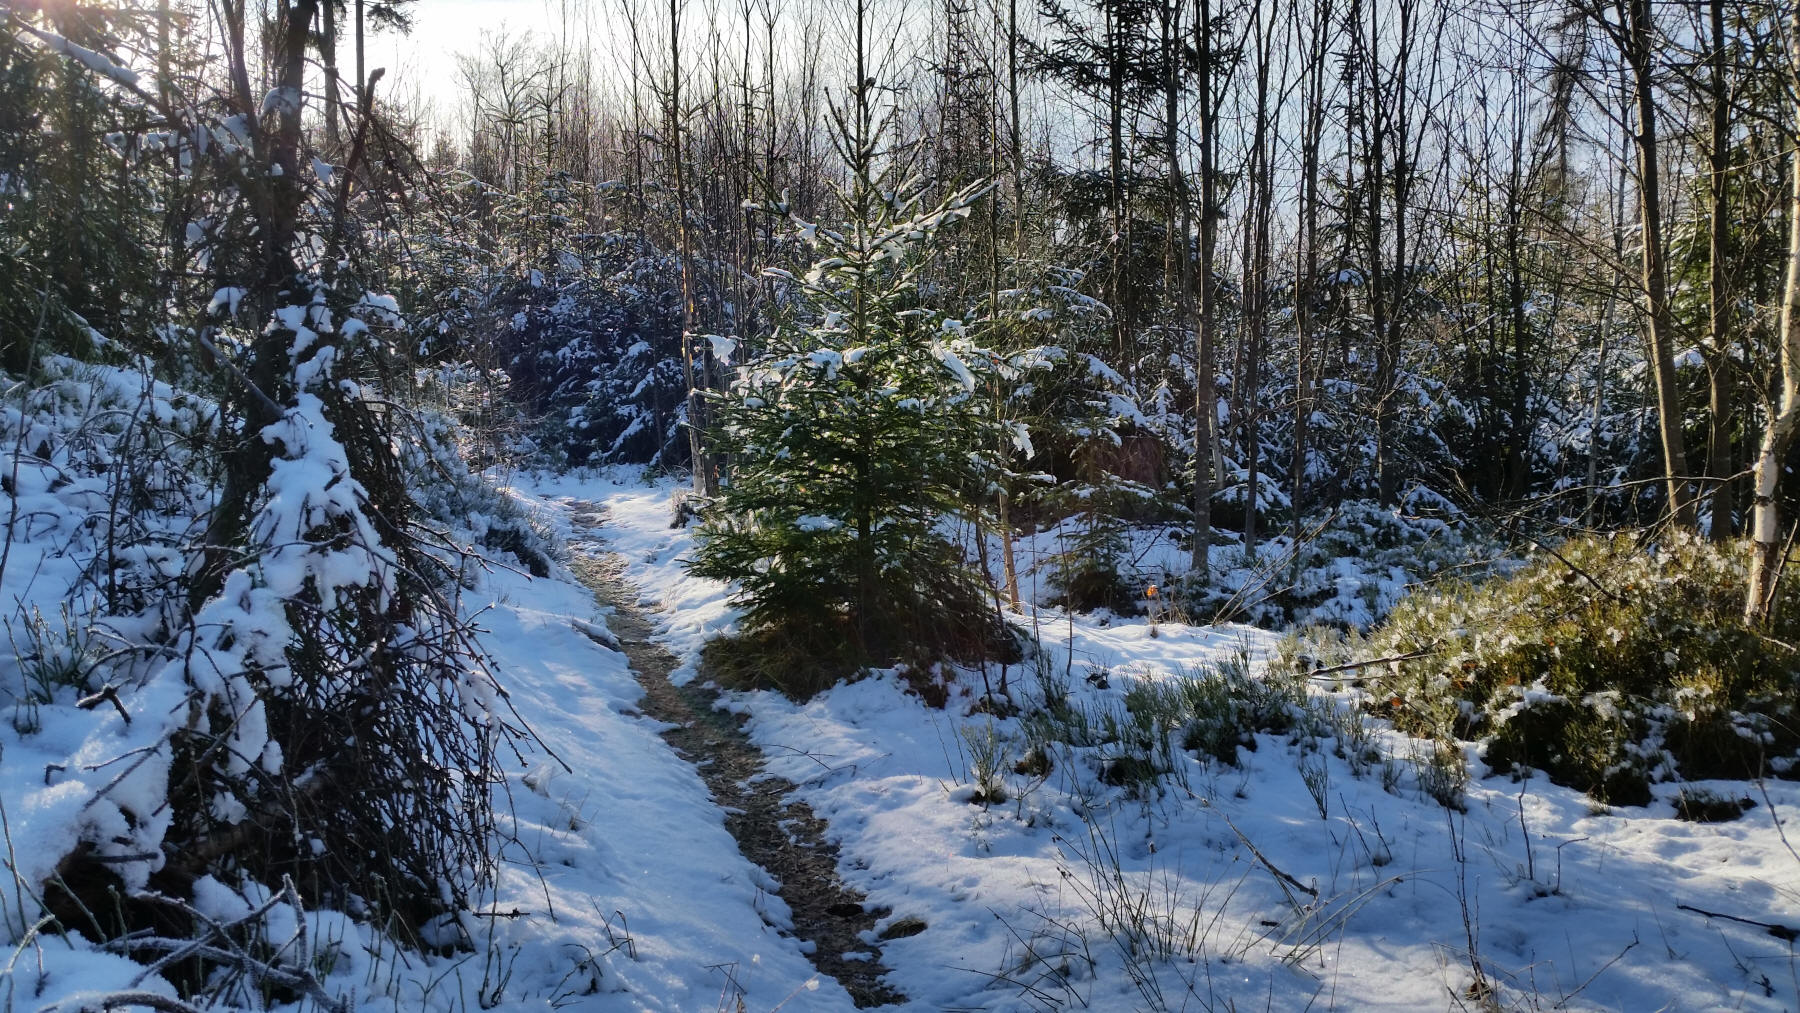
x=1783, y=932
x=1423, y=652
x=1564, y=1001
x=1310, y=891
x=1583, y=574
x=108, y=694
x=1775, y=818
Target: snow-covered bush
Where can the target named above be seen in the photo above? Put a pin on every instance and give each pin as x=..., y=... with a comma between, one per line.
x=262, y=672
x=1607, y=663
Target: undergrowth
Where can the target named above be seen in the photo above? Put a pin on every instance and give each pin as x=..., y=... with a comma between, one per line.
x=1609, y=663
x=1347, y=569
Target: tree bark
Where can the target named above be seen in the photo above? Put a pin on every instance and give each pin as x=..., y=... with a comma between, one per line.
x=1720, y=374
x=1766, y=545
x=1636, y=21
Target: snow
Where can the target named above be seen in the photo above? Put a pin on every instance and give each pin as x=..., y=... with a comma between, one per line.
x=723, y=347
x=95, y=61
x=954, y=364
x=620, y=888
x=625, y=843
x=280, y=100
x=1567, y=902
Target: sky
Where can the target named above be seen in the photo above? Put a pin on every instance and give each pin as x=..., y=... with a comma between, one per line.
x=425, y=59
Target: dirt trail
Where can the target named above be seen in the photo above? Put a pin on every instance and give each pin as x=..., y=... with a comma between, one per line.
x=773, y=829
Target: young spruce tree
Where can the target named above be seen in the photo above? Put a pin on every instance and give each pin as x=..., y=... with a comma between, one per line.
x=854, y=432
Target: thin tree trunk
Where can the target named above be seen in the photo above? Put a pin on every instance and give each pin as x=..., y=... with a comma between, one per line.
x=1205, y=397
x=1654, y=275
x=1517, y=477
x=1015, y=149
x=706, y=479
x=362, y=79
x=1184, y=260
x=1119, y=249
x=1784, y=422
x=328, y=32
x=1377, y=123
x=1311, y=129
x=1719, y=371
x=1262, y=199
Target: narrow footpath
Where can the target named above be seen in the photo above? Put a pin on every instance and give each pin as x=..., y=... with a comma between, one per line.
x=773, y=829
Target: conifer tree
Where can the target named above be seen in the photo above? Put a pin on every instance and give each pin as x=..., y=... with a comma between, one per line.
x=854, y=432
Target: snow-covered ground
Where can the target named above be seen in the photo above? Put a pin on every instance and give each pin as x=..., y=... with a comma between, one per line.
x=1060, y=896
x=1226, y=888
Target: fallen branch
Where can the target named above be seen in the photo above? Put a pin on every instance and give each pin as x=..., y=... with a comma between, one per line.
x=1787, y=933
x=1310, y=891
x=105, y=1002
x=1423, y=652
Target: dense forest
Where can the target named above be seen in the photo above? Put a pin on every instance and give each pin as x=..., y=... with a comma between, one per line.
x=1459, y=344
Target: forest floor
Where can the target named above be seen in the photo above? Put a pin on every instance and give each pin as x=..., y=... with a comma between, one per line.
x=1292, y=879
x=670, y=846
x=774, y=829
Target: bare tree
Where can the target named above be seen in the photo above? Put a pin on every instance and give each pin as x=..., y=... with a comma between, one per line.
x=1632, y=30
x=1212, y=69
x=1315, y=50
x=698, y=362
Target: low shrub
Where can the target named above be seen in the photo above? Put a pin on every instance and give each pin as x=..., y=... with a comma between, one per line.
x=803, y=659
x=1210, y=712
x=1608, y=663
x=1348, y=570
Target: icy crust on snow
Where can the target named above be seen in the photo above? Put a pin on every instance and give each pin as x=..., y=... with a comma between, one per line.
x=1566, y=902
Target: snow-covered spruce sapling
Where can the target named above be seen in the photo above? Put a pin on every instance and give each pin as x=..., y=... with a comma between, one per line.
x=854, y=430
